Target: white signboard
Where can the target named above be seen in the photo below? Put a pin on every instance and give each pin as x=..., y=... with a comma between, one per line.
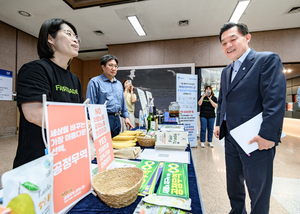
x=102, y=137
x=143, y=101
x=149, y=96
x=186, y=96
x=5, y=85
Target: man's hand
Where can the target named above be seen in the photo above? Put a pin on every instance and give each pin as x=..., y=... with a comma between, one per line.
x=90, y=129
x=127, y=123
x=262, y=143
x=216, y=131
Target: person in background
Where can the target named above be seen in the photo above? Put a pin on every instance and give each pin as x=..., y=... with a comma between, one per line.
x=298, y=97
x=106, y=87
x=208, y=103
x=57, y=44
x=130, y=98
x=253, y=83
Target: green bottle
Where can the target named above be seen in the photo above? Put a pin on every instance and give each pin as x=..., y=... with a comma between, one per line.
x=150, y=119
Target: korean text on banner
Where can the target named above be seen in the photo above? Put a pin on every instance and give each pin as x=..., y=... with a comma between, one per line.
x=186, y=96
x=6, y=82
x=68, y=141
x=102, y=136
x=174, y=180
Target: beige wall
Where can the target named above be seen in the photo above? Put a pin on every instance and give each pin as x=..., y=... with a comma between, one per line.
x=76, y=67
x=8, y=111
x=16, y=48
x=205, y=51
x=85, y=70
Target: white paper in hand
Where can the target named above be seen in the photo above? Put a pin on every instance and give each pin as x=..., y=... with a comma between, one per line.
x=246, y=132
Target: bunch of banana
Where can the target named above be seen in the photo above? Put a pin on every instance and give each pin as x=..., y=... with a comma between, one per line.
x=123, y=144
x=131, y=133
x=125, y=139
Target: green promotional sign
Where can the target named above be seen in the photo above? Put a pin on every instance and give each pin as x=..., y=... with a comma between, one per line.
x=149, y=167
x=174, y=180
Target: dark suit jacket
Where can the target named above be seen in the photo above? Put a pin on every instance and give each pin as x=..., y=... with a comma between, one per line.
x=259, y=86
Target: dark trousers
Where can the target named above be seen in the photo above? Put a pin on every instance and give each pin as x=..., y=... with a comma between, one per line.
x=206, y=123
x=114, y=124
x=256, y=170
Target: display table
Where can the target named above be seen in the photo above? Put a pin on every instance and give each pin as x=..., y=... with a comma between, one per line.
x=92, y=204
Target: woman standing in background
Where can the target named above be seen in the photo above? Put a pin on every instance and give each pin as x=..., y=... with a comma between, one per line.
x=130, y=98
x=208, y=103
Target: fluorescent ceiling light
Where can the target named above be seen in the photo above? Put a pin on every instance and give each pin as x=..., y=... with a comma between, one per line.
x=239, y=10
x=136, y=25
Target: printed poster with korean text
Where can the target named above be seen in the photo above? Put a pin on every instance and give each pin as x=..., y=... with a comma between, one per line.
x=174, y=180
x=186, y=96
x=101, y=136
x=68, y=142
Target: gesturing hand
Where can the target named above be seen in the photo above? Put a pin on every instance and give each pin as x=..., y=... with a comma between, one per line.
x=262, y=143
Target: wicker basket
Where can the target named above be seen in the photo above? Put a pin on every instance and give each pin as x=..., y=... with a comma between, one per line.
x=118, y=187
x=146, y=142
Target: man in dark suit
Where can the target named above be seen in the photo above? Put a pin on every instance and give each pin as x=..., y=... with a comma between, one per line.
x=253, y=83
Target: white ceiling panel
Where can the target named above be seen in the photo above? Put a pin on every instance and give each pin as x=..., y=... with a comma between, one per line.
x=159, y=18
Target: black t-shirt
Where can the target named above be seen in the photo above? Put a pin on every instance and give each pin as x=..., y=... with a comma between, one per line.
x=35, y=79
x=207, y=110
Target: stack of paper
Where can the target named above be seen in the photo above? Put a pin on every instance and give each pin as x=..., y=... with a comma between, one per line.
x=172, y=128
x=152, y=170
x=171, y=140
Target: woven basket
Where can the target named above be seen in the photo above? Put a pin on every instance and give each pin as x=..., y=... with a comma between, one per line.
x=146, y=142
x=118, y=187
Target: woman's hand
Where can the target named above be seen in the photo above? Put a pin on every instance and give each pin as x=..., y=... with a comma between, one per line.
x=204, y=94
x=131, y=88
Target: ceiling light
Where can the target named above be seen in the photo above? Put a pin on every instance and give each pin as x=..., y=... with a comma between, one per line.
x=136, y=25
x=98, y=32
x=289, y=70
x=183, y=23
x=239, y=10
x=24, y=13
x=284, y=71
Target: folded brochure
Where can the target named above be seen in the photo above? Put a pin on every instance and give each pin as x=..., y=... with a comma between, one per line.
x=149, y=167
x=174, y=180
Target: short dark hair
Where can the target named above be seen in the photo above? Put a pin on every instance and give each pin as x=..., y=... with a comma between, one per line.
x=50, y=27
x=242, y=28
x=107, y=58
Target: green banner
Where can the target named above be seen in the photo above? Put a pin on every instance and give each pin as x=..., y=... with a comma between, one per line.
x=174, y=180
x=149, y=167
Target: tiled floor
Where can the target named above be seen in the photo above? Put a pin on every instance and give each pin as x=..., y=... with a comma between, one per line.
x=210, y=168
x=211, y=173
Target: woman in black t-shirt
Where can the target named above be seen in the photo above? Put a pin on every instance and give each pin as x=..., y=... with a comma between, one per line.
x=208, y=103
x=57, y=44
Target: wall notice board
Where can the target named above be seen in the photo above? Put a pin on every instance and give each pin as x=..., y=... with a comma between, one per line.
x=160, y=80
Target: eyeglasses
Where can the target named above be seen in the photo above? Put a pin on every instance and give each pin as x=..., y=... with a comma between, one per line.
x=112, y=66
x=71, y=35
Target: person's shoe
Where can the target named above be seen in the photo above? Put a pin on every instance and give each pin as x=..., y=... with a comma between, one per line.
x=211, y=145
x=202, y=145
